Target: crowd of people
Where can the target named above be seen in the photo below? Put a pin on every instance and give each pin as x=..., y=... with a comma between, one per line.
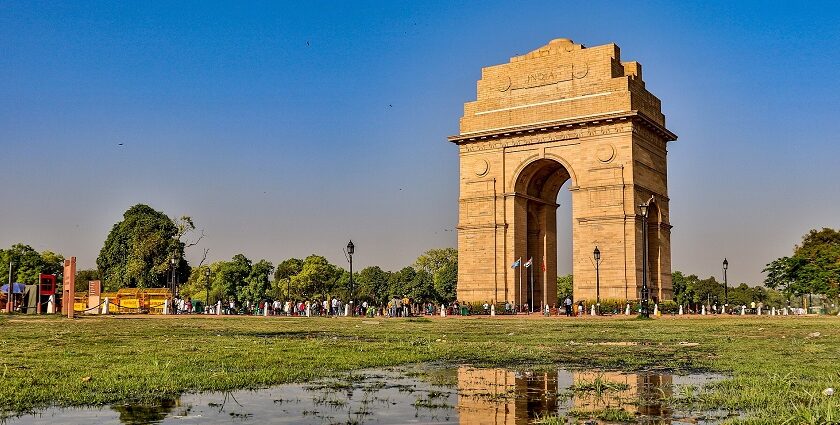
x=406, y=307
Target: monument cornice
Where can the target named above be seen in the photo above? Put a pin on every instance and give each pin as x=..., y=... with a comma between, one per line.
x=564, y=124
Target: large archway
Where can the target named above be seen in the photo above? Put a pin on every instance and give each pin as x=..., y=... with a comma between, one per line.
x=560, y=114
x=536, y=189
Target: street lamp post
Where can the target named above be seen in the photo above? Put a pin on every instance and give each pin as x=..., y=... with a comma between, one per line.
x=350, y=250
x=207, y=281
x=725, y=286
x=644, y=209
x=174, y=262
x=597, y=255
x=9, y=291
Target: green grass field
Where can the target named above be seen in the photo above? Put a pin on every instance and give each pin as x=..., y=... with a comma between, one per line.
x=778, y=367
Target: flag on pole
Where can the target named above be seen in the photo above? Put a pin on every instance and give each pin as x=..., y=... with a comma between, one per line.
x=516, y=263
x=529, y=262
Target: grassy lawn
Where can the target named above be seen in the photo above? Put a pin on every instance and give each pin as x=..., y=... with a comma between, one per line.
x=778, y=366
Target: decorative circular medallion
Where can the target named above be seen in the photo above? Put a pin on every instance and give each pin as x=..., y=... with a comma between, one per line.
x=605, y=153
x=481, y=167
x=505, y=83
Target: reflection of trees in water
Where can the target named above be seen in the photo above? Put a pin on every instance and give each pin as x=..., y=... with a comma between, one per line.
x=137, y=414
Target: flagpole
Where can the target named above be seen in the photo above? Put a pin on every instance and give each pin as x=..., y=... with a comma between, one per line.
x=531, y=306
x=545, y=286
x=519, y=306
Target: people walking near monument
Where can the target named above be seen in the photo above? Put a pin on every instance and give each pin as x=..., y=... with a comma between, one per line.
x=568, y=303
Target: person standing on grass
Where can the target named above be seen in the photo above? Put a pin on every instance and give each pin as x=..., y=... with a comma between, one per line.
x=568, y=303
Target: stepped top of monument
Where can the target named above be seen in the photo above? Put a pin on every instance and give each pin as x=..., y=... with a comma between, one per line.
x=560, y=83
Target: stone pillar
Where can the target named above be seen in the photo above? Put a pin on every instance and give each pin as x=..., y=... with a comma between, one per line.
x=94, y=291
x=443, y=310
x=265, y=310
x=656, y=309
x=681, y=310
x=773, y=311
x=107, y=306
x=786, y=311
x=493, y=310
x=759, y=311
x=703, y=310
x=592, y=311
x=218, y=308
x=69, y=288
x=743, y=310
x=166, y=306
x=627, y=310
x=51, y=305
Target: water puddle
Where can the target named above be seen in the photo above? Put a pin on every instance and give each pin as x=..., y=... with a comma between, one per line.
x=422, y=395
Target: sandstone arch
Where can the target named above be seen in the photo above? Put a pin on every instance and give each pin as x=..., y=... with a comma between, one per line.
x=539, y=121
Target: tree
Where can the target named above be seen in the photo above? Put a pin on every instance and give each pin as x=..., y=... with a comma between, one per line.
x=85, y=276
x=684, y=288
x=283, y=274
x=196, y=285
x=27, y=264
x=400, y=282
x=257, y=282
x=446, y=282
x=233, y=275
x=317, y=278
x=442, y=266
x=565, y=285
x=372, y=284
x=814, y=267
x=138, y=250
x=288, y=268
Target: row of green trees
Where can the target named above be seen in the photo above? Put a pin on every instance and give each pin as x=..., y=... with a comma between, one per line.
x=27, y=264
x=814, y=267
x=432, y=278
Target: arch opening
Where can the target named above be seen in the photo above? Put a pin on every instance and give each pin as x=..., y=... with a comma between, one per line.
x=537, y=188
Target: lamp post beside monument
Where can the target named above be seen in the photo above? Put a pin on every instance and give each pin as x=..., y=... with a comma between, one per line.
x=207, y=282
x=350, y=250
x=645, y=295
x=597, y=255
x=725, y=285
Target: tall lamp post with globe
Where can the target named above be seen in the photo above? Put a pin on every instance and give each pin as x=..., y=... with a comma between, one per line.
x=350, y=250
x=207, y=284
x=597, y=255
x=725, y=286
x=645, y=293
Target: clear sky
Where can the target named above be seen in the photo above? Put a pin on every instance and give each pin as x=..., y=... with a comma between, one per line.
x=285, y=129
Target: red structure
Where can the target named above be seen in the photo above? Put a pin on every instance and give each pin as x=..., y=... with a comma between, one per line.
x=47, y=284
x=46, y=288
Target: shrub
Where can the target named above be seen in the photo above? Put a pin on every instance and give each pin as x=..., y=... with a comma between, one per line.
x=669, y=307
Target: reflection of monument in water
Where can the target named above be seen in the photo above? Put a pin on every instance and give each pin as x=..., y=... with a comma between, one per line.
x=505, y=397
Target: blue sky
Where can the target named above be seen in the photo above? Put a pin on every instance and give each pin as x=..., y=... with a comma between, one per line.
x=284, y=129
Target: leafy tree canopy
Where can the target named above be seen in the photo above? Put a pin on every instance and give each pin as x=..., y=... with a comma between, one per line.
x=27, y=264
x=814, y=267
x=564, y=288
x=138, y=250
x=442, y=265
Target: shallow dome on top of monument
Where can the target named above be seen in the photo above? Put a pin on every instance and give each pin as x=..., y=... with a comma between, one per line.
x=558, y=45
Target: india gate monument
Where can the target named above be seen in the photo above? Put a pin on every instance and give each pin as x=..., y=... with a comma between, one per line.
x=563, y=112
